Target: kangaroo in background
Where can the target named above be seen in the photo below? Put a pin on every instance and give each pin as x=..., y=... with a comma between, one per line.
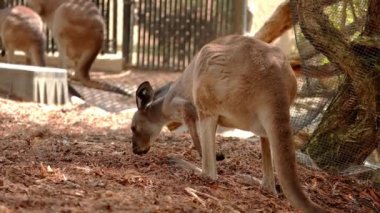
x=22, y=29
x=78, y=28
x=236, y=82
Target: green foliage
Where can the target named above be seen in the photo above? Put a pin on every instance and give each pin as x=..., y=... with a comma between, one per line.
x=344, y=14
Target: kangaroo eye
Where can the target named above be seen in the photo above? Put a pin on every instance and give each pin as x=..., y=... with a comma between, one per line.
x=133, y=128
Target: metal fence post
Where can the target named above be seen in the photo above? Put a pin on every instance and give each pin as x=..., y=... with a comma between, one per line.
x=240, y=16
x=127, y=32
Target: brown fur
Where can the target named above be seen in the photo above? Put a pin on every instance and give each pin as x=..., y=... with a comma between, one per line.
x=236, y=82
x=78, y=29
x=22, y=29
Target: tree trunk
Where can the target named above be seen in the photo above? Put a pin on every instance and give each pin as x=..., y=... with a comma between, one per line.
x=372, y=27
x=277, y=24
x=372, y=30
x=282, y=20
x=348, y=132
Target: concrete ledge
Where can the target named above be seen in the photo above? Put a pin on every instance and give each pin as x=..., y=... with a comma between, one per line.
x=104, y=63
x=32, y=83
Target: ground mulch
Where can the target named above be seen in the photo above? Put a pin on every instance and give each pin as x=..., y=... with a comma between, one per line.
x=78, y=158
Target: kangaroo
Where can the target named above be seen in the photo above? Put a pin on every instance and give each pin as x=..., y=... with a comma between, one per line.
x=78, y=28
x=22, y=29
x=236, y=82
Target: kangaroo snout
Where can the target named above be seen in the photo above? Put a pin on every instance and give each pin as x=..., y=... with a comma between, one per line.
x=139, y=145
x=136, y=150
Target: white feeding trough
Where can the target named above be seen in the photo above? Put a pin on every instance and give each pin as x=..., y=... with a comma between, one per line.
x=46, y=85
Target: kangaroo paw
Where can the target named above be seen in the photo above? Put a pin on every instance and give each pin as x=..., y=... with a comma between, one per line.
x=269, y=187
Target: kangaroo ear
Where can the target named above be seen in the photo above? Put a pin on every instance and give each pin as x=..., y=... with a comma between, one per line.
x=162, y=91
x=144, y=95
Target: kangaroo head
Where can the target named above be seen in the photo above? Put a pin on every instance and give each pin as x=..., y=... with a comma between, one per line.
x=146, y=125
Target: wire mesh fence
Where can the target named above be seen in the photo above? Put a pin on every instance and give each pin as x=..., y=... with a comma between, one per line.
x=338, y=93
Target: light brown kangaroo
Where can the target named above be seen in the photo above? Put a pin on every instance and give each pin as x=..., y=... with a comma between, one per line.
x=78, y=28
x=236, y=82
x=22, y=29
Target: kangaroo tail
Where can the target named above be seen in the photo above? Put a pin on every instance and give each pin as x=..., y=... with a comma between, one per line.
x=279, y=133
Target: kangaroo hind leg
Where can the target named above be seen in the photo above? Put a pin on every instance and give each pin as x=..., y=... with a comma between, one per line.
x=206, y=130
x=37, y=56
x=10, y=55
x=279, y=133
x=268, y=180
x=83, y=65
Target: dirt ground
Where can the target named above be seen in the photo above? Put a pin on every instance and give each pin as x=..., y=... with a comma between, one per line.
x=78, y=158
